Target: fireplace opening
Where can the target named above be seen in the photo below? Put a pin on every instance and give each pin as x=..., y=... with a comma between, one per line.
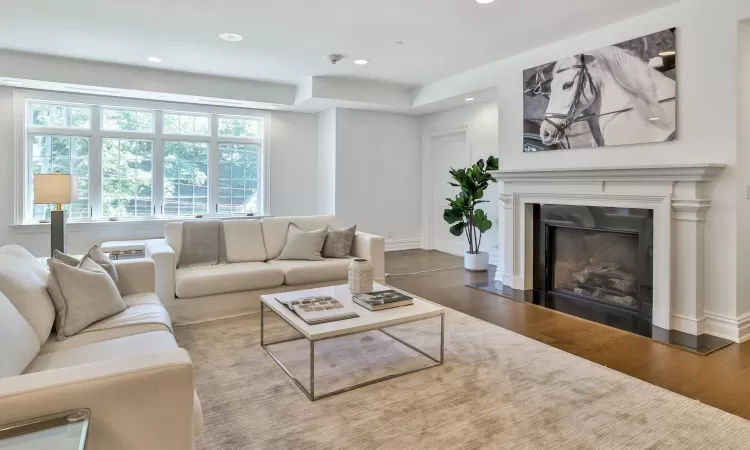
x=596, y=263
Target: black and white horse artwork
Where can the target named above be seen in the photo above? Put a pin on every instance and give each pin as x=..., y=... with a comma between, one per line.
x=617, y=95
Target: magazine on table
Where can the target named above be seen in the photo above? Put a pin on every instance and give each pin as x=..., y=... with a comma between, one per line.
x=318, y=309
x=375, y=301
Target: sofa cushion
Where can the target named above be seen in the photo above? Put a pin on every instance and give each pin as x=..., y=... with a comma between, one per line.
x=244, y=240
x=303, y=245
x=275, y=230
x=339, y=242
x=143, y=315
x=83, y=295
x=173, y=236
x=19, y=342
x=123, y=347
x=23, y=279
x=237, y=277
x=305, y=272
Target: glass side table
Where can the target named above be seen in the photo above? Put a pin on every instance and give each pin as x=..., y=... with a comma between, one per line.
x=64, y=431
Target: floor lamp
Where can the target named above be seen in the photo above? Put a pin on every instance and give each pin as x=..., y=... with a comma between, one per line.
x=56, y=189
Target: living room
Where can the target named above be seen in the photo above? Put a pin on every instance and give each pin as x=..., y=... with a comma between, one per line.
x=235, y=225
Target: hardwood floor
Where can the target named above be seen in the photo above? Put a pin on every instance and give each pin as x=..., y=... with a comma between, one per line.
x=720, y=379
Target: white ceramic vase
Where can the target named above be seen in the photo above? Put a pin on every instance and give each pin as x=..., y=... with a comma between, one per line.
x=360, y=277
x=477, y=262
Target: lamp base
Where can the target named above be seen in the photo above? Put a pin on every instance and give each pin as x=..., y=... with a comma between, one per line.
x=59, y=231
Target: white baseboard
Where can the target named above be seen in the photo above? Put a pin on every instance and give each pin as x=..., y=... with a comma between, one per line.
x=689, y=325
x=396, y=245
x=735, y=329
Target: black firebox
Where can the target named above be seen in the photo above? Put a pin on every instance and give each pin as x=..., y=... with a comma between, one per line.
x=596, y=263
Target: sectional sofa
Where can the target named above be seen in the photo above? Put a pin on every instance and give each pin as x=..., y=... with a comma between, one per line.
x=127, y=369
x=251, y=270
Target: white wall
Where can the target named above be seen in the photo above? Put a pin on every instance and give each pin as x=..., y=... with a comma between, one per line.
x=294, y=164
x=293, y=183
x=327, y=161
x=378, y=173
x=707, y=48
x=480, y=121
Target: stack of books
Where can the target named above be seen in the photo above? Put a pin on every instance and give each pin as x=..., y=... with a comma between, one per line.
x=376, y=301
x=318, y=309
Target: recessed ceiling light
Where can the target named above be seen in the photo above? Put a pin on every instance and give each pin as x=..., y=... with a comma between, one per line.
x=667, y=53
x=485, y=1
x=155, y=59
x=231, y=37
x=653, y=119
x=361, y=62
x=470, y=99
x=12, y=82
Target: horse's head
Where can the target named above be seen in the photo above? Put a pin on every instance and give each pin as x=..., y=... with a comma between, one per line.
x=572, y=91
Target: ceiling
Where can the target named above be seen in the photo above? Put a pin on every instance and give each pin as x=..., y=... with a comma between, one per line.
x=289, y=40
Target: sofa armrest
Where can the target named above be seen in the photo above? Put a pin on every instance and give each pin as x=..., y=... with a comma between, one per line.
x=136, y=275
x=165, y=263
x=142, y=402
x=371, y=248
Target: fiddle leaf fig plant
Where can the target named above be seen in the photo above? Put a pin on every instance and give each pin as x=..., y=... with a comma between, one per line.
x=463, y=214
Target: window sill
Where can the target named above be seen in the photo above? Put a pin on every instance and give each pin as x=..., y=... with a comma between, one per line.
x=93, y=225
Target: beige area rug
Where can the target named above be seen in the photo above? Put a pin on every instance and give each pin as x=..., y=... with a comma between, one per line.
x=496, y=390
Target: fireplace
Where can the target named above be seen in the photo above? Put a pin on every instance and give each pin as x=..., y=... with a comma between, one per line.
x=595, y=263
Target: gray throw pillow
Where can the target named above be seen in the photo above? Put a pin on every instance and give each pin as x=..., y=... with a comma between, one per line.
x=83, y=294
x=304, y=246
x=97, y=255
x=338, y=243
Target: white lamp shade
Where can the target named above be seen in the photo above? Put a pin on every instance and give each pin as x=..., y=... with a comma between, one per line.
x=52, y=188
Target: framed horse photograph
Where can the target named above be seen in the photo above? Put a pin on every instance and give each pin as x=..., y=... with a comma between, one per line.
x=618, y=95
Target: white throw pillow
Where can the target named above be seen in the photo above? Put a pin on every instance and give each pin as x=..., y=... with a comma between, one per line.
x=302, y=245
x=23, y=279
x=83, y=295
x=19, y=342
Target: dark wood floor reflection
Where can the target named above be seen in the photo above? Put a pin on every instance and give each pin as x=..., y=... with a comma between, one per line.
x=720, y=379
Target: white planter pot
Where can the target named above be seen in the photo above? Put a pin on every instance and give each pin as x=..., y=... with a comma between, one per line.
x=476, y=262
x=360, y=277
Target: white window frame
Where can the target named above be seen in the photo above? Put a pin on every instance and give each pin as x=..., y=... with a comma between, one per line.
x=22, y=153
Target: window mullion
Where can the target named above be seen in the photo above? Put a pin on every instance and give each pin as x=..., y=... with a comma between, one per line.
x=157, y=176
x=213, y=167
x=95, y=164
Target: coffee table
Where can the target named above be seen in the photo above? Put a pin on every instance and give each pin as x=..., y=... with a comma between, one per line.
x=367, y=321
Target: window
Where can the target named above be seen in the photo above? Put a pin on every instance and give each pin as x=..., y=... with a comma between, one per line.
x=238, y=178
x=128, y=120
x=187, y=124
x=135, y=161
x=66, y=154
x=239, y=126
x=126, y=177
x=185, y=178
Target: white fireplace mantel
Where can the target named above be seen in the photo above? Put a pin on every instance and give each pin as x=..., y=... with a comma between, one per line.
x=676, y=193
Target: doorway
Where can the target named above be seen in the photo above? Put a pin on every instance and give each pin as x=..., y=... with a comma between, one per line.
x=447, y=151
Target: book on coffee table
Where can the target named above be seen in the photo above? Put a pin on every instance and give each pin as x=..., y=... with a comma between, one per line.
x=376, y=301
x=318, y=309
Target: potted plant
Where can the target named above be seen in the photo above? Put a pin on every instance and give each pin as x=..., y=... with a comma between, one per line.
x=463, y=214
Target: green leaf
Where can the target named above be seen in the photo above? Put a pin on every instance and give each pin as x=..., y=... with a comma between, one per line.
x=454, y=184
x=458, y=229
x=453, y=215
x=480, y=164
x=492, y=164
x=481, y=222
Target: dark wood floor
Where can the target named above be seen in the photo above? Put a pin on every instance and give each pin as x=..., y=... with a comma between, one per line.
x=720, y=379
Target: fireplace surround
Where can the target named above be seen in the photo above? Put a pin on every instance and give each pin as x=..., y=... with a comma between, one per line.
x=677, y=198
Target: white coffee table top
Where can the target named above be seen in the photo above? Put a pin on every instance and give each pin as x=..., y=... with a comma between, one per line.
x=367, y=320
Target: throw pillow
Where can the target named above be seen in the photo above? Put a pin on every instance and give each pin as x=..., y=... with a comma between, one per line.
x=301, y=245
x=83, y=294
x=338, y=243
x=95, y=254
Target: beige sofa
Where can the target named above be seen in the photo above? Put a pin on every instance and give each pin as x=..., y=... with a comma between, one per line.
x=127, y=369
x=205, y=293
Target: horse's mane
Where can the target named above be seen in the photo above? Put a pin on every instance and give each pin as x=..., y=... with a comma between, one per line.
x=634, y=76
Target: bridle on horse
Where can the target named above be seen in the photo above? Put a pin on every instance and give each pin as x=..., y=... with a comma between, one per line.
x=581, y=78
